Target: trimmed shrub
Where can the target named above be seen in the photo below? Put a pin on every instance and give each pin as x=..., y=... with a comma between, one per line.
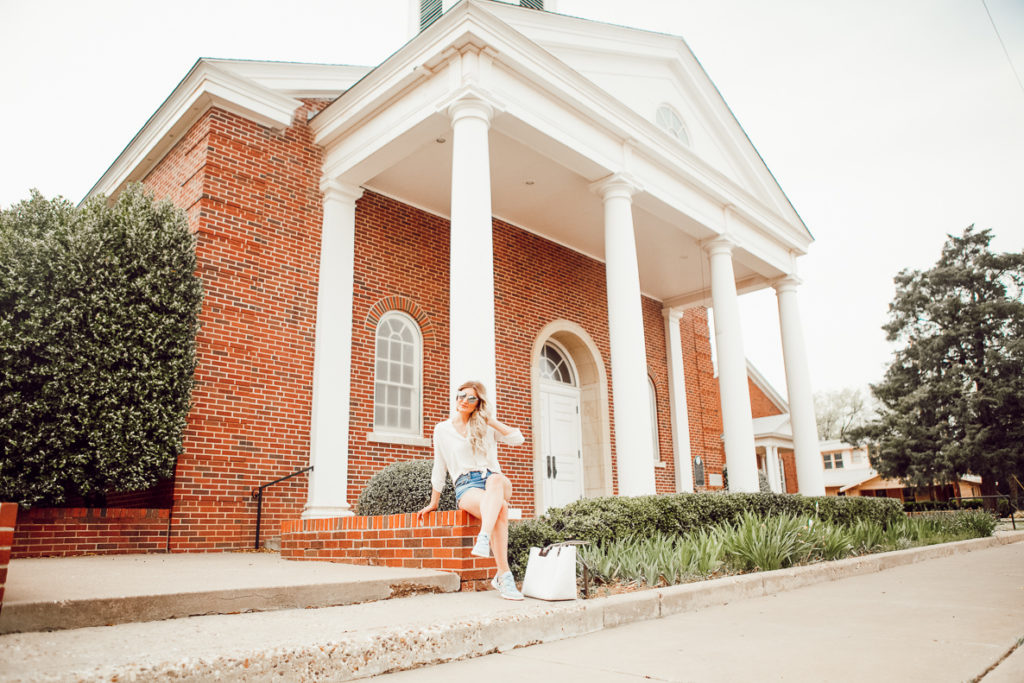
x=403, y=487
x=99, y=312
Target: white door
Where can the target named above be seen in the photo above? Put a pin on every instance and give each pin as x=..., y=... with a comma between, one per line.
x=561, y=438
x=560, y=447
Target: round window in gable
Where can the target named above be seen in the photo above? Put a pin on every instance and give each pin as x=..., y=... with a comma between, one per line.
x=669, y=119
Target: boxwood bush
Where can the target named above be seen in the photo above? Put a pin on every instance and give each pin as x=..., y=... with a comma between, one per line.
x=402, y=487
x=604, y=519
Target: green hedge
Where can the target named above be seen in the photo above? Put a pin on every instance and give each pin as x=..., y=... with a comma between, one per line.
x=1002, y=505
x=603, y=519
x=98, y=317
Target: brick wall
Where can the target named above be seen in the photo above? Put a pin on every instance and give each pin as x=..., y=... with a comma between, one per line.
x=65, y=532
x=789, y=466
x=8, y=517
x=702, y=397
x=442, y=541
x=252, y=196
x=760, y=404
x=402, y=263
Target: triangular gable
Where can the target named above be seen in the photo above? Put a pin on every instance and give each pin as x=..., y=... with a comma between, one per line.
x=644, y=70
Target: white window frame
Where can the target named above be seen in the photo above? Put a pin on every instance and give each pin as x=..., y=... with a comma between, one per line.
x=833, y=460
x=668, y=119
x=566, y=359
x=414, y=435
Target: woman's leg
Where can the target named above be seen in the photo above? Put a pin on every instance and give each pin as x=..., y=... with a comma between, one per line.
x=492, y=503
x=499, y=541
x=500, y=488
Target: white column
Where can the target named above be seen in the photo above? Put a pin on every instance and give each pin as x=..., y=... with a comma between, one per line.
x=734, y=390
x=332, y=360
x=677, y=403
x=471, y=269
x=633, y=445
x=771, y=455
x=809, y=473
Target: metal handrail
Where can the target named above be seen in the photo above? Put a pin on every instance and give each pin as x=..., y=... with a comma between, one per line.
x=257, y=495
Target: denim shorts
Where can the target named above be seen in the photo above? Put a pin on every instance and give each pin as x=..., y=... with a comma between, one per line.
x=474, y=479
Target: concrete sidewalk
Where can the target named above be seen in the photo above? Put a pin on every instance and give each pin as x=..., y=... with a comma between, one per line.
x=948, y=619
x=360, y=640
x=73, y=592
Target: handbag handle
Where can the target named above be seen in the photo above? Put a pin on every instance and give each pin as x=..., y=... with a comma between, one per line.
x=544, y=551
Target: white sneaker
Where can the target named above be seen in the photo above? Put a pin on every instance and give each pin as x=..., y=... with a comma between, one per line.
x=505, y=584
x=482, y=547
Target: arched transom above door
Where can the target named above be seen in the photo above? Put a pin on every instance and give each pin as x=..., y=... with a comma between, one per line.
x=555, y=366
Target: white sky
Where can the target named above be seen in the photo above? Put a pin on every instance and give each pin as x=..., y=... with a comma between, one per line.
x=888, y=123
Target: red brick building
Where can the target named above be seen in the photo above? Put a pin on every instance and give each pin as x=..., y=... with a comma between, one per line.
x=541, y=202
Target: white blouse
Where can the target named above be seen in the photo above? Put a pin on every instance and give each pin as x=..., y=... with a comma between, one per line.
x=455, y=455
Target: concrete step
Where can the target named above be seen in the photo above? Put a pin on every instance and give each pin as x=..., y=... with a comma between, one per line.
x=68, y=593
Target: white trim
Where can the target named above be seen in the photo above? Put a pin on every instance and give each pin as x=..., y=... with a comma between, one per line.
x=417, y=428
x=400, y=439
x=434, y=55
x=568, y=360
x=205, y=86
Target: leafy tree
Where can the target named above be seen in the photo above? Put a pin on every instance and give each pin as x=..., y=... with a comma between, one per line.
x=838, y=412
x=952, y=402
x=98, y=317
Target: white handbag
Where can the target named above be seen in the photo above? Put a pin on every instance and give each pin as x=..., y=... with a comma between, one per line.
x=551, y=572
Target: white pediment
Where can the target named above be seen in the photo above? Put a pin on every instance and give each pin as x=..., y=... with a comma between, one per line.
x=644, y=70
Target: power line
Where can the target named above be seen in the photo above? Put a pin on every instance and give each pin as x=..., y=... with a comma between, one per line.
x=1005, y=51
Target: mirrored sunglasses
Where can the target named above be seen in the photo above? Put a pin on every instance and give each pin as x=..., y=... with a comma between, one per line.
x=466, y=397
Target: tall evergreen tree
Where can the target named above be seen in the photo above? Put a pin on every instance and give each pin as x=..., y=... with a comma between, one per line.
x=952, y=401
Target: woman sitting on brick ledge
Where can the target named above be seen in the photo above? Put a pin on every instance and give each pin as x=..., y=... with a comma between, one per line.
x=465, y=446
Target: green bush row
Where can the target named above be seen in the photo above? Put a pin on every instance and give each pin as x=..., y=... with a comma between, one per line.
x=600, y=520
x=755, y=543
x=1002, y=505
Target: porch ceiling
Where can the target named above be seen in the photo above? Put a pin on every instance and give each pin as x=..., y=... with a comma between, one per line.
x=532, y=190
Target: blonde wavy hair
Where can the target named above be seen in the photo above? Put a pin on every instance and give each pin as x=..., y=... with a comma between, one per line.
x=477, y=427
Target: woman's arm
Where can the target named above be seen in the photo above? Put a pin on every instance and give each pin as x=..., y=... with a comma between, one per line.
x=502, y=429
x=506, y=435
x=435, y=498
x=438, y=476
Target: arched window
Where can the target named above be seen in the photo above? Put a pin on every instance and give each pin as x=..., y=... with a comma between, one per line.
x=669, y=119
x=398, y=371
x=654, y=420
x=555, y=366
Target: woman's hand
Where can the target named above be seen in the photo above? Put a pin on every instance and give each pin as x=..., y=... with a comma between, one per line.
x=435, y=499
x=502, y=429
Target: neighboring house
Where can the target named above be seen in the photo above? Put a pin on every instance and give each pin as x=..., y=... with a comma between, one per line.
x=538, y=201
x=844, y=465
x=848, y=472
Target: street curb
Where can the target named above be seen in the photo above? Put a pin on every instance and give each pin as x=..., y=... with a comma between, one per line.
x=388, y=649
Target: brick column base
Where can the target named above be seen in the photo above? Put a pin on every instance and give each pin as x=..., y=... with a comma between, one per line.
x=442, y=541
